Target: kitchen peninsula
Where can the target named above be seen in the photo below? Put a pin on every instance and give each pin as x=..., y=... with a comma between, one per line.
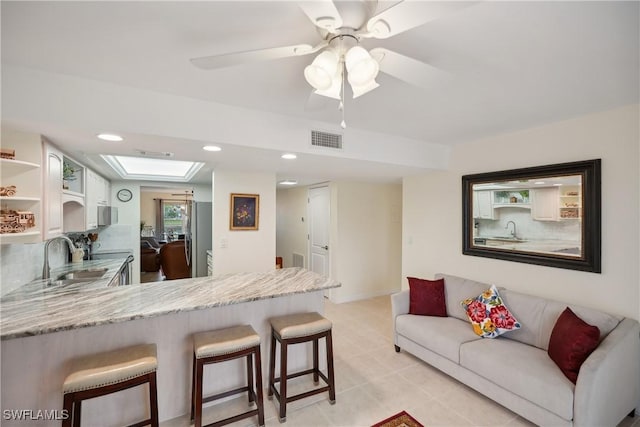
x=41, y=331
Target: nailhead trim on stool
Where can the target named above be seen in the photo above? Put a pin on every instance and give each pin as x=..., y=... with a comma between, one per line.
x=105, y=373
x=296, y=329
x=218, y=346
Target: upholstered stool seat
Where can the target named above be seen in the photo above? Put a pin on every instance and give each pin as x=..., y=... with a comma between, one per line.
x=105, y=373
x=218, y=346
x=296, y=329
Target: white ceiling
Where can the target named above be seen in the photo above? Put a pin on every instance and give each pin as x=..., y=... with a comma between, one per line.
x=504, y=66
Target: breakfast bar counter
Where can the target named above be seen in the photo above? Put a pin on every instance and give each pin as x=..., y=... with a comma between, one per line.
x=44, y=327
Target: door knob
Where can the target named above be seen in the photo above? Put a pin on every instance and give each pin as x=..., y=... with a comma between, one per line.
x=325, y=247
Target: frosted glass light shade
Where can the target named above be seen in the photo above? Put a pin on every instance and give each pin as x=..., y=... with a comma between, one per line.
x=334, y=90
x=361, y=90
x=361, y=67
x=321, y=71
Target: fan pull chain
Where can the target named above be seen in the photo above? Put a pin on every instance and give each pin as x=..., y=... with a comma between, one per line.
x=343, y=124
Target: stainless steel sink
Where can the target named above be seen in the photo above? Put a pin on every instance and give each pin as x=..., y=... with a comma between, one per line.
x=64, y=282
x=507, y=239
x=83, y=275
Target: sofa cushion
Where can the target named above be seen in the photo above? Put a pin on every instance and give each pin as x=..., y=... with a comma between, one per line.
x=442, y=335
x=488, y=315
x=521, y=369
x=457, y=289
x=539, y=315
x=572, y=341
x=426, y=297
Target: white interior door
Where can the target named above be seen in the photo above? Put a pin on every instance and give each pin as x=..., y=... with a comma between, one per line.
x=319, y=219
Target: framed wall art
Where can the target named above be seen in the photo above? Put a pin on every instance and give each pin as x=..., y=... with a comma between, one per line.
x=245, y=211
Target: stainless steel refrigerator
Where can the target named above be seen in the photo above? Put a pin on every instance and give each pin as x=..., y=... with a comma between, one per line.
x=199, y=236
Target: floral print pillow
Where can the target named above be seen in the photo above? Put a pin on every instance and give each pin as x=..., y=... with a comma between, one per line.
x=488, y=315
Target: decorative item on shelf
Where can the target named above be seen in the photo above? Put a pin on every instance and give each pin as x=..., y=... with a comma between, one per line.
x=572, y=213
x=513, y=199
x=16, y=221
x=7, y=153
x=93, y=236
x=9, y=190
x=571, y=193
x=68, y=174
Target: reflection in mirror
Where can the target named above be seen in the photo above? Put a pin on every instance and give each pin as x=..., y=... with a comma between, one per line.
x=547, y=215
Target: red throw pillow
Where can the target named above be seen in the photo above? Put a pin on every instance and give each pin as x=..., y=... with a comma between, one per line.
x=572, y=341
x=426, y=297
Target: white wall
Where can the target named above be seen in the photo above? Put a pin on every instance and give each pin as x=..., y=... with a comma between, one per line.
x=128, y=228
x=366, y=235
x=291, y=224
x=246, y=250
x=432, y=206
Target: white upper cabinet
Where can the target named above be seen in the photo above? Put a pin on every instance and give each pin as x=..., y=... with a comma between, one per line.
x=544, y=204
x=53, y=166
x=483, y=205
x=98, y=194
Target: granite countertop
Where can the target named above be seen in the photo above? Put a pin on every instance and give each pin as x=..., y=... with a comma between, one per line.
x=34, y=311
x=549, y=246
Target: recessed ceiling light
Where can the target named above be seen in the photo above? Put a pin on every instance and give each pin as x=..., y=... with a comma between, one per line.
x=289, y=156
x=288, y=182
x=211, y=148
x=110, y=137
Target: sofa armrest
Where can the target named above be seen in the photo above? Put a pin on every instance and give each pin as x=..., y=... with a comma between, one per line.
x=399, y=305
x=613, y=369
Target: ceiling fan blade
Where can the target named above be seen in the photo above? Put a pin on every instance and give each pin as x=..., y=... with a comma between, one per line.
x=323, y=14
x=408, y=69
x=237, y=58
x=408, y=14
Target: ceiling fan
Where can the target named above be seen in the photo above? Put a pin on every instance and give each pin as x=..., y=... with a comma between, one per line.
x=342, y=55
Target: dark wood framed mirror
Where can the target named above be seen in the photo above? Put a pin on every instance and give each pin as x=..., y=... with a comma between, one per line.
x=545, y=215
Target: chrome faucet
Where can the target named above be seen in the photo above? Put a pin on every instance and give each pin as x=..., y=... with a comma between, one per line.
x=46, y=271
x=513, y=233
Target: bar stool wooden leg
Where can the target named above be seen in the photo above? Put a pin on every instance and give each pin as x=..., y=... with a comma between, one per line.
x=272, y=366
x=193, y=388
x=259, y=387
x=153, y=399
x=198, y=397
x=316, y=368
x=250, y=392
x=68, y=408
x=283, y=381
x=77, y=409
x=332, y=381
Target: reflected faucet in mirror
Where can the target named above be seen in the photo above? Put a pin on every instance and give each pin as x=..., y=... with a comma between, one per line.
x=513, y=233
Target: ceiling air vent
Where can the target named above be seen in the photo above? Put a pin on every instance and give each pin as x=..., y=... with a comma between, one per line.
x=325, y=139
x=147, y=153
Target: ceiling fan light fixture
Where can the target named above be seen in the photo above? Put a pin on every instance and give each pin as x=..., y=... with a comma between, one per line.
x=361, y=67
x=334, y=90
x=321, y=71
x=361, y=90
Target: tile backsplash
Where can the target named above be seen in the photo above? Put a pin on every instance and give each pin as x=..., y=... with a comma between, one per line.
x=22, y=263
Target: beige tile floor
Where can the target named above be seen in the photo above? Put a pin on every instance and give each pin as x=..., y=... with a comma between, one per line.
x=374, y=382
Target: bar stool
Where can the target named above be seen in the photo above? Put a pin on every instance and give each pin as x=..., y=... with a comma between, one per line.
x=106, y=373
x=295, y=329
x=218, y=346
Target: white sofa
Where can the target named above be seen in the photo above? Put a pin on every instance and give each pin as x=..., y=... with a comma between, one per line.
x=515, y=369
